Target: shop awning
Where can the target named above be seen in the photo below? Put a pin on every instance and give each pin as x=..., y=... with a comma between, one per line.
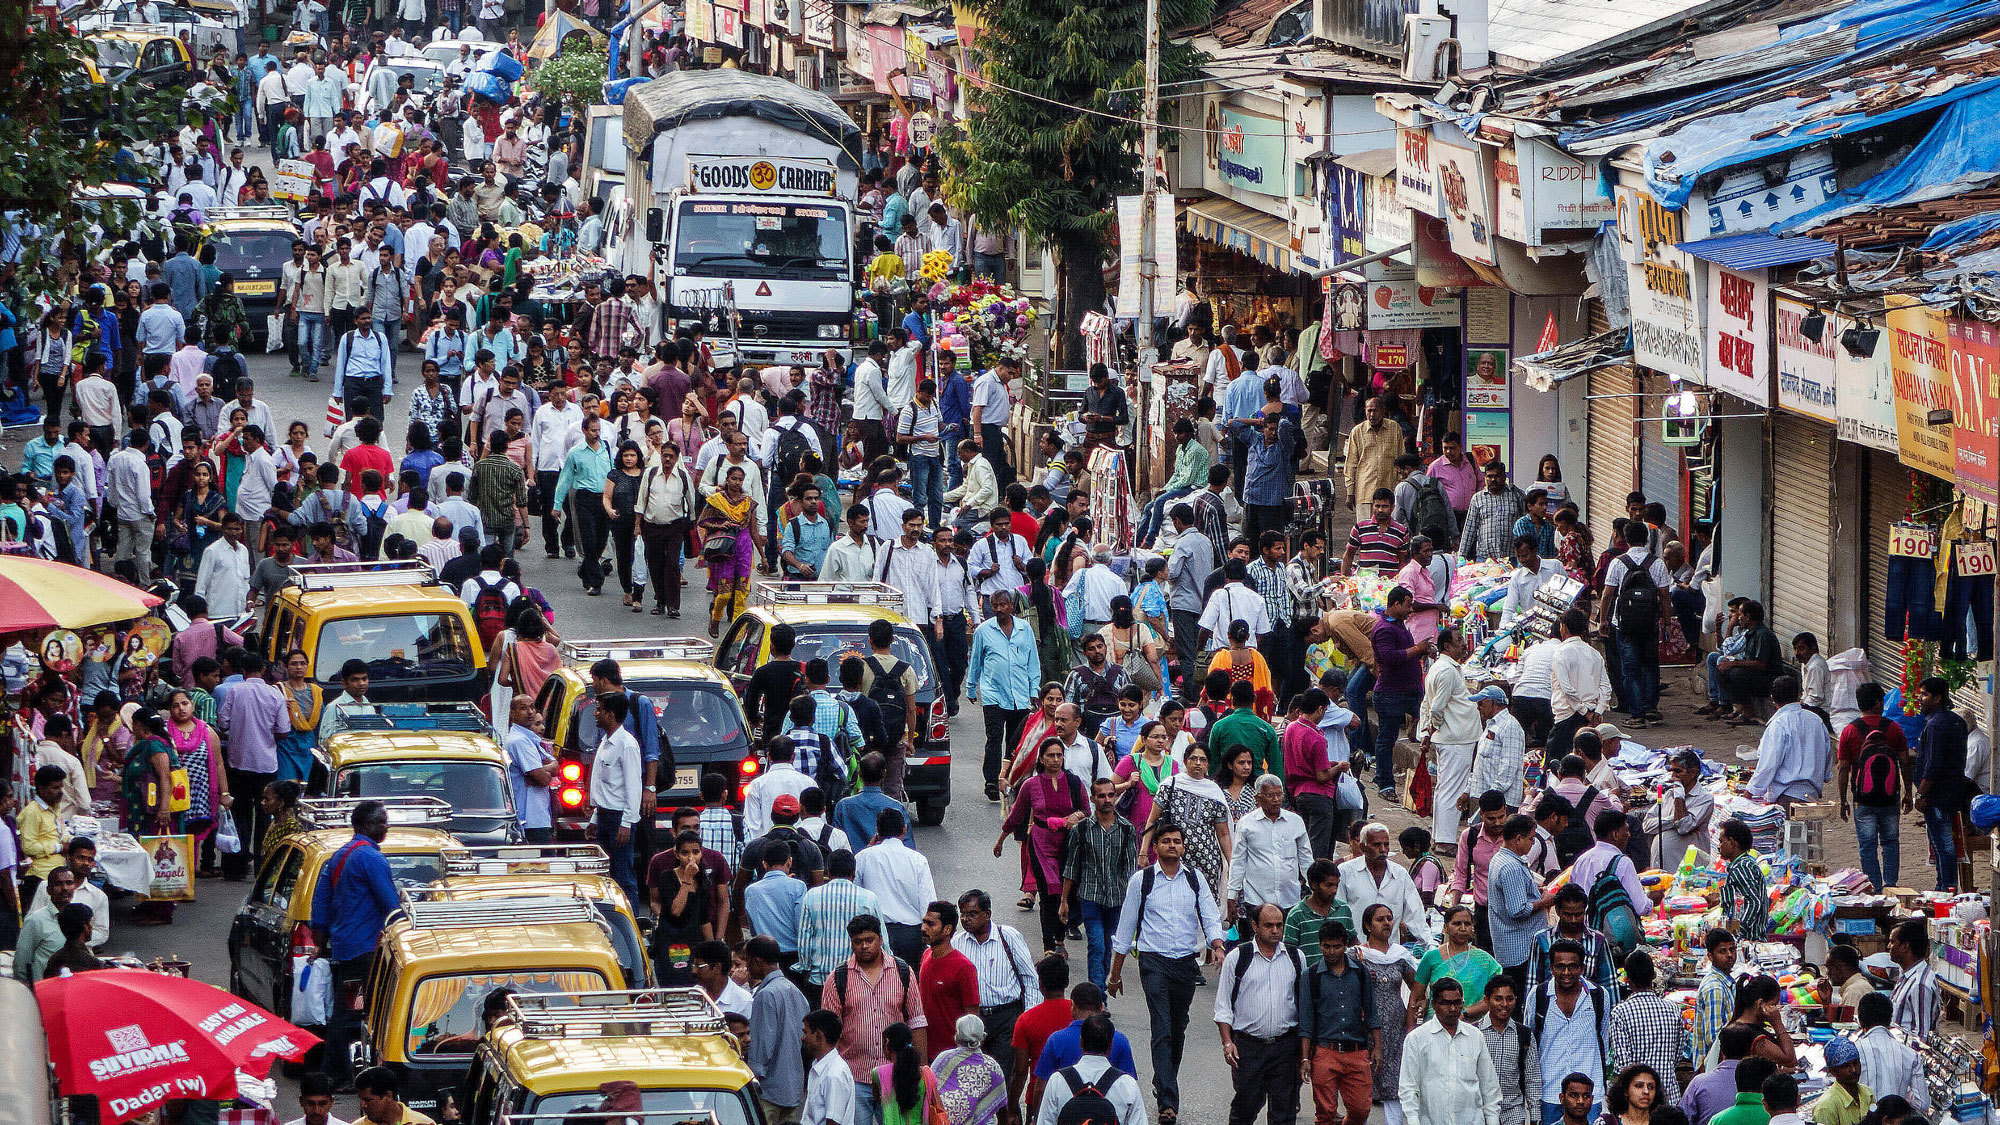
x=1373, y=162
x=1758, y=251
x=1544, y=370
x=1242, y=229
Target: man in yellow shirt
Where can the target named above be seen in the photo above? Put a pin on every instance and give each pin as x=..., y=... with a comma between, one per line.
x=42, y=829
x=1846, y=1101
x=887, y=265
x=376, y=1088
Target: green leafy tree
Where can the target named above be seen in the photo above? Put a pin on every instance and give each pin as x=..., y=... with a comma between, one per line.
x=576, y=76
x=1025, y=155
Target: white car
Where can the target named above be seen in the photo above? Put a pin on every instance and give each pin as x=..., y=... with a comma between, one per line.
x=428, y=75
x=207, y=29
x=444, y=52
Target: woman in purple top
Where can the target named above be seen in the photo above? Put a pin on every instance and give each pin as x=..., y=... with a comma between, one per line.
x=1049, y=803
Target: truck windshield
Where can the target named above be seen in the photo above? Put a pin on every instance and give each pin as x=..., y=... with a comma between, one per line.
x=806, y=241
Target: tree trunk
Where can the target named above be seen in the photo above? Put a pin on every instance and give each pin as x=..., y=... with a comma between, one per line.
x=1080, y=273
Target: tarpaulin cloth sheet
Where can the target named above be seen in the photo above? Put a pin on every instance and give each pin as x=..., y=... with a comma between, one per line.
x=1722, y=140
x=1961, y=152
x=705, y=95
x=1963, y=230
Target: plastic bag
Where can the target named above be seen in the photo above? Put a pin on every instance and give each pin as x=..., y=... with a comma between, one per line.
x=274, y=334
x=1347, y=793
x=312, y=991
x=227, y=842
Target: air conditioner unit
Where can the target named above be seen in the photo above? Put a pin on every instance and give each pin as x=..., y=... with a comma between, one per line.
x=1423, y=36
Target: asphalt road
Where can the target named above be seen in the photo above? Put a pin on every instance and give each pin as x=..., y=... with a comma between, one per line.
x=961, y=850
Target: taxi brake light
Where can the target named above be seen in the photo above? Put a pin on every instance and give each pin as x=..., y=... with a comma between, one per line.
x=749, y=767
x=572, y=798
x=572, y=771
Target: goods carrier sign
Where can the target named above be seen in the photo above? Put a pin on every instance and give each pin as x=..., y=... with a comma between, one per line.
x=756, y=175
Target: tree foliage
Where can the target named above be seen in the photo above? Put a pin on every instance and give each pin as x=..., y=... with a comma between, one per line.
x=65, y=135
x=575, y=77
x=1024, y=156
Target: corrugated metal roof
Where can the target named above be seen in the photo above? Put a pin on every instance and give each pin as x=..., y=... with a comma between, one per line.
x=1758, y=251
x=1374, y=162
x=1531, y=32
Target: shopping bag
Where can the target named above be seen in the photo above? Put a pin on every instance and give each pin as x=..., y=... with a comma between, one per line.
x=227, y=841
x=1417, y=793
x=1347, y=793
x=312, y=991
x=274, y=334
x=173, y=868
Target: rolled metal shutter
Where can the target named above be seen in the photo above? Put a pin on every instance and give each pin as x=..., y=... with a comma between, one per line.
x=1888, y=498
x=1613, y=449
x=1802, y=529
x=1659, y=463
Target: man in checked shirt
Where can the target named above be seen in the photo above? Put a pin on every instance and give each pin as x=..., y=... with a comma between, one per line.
x=611, y=322
x=1646, y=1028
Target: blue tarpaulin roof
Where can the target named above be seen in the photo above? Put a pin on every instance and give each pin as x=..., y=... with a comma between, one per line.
x=1757, y=251
x=1963, y=230
x=1691, y=136
x=1961, y=152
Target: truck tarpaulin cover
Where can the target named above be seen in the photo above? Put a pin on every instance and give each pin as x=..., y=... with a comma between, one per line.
x=691, y=95
x=1961, y=152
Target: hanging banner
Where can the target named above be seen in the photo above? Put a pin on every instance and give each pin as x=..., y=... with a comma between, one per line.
x=1385, y=221
x=1345, y=228
x=1131, y=228
x=699, y=17
x=1975, y=417
x=1405, y=304
x=1466, y=192
x=1487, y=436
x=819, y=25
x=1806, y=382
x=1919, y=347
x=728, y=26
x=1864, y=391
x=1737, y=346
x=1416, y=179
x=1666, y=320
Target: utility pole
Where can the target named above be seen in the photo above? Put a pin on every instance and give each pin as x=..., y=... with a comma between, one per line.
x=1149, y=121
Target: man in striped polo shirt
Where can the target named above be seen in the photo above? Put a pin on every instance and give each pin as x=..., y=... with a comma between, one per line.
x=1379, y=544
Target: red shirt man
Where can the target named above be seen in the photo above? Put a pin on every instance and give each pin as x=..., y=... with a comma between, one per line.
x=947, y=981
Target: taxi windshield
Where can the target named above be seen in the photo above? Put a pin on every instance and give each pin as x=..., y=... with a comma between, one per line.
x=413, y=870
x=473, y=788
x=835, y=643
x=241, y=249
x=444, y=1014
x=727, y=1105
x=116, y=54
x=403, y=646
x=695, y=718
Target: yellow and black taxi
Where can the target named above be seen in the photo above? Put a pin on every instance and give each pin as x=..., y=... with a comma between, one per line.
x=512, y=870
x=700, y=718
x=253, y=244
x=830, y=620
x=425, y=750
x=546, y=1057
x=271, y=937
x=415, y=635
x=439, y=957
x=144, y=56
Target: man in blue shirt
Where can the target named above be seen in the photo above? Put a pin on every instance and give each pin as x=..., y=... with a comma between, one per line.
x=184, y=277
x=529, y=771
x=1268, y=469
x=855, y=814
x=955, y=405
x=161, y=325
x=351, y=903
x=1065, y=1047
x=772, y=902
x=38, y=457
x=915, y=323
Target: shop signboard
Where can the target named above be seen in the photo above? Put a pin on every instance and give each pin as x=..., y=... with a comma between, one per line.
x=1486, y=386
x=1864, y=391
x=1806, y=381
x=1416, y=178
x=1131, y=225
x=1466, y=192
x=1385, y=221
x=1405, y=304
x=1430, y=252
x=1975, y=417
x=1666, y=318
x=1250, y=153
x=1919, y=346
x=1737, y=346
x=1747, y=202
x=1345, y=197
x=1488, y=433
x=700, y=20
x=1558, y=191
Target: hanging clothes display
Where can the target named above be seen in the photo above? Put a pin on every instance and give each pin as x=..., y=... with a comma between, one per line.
x=1110, y=499
x=1100, y=341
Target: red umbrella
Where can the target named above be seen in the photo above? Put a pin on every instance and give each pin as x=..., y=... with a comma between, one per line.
x=135, y=1039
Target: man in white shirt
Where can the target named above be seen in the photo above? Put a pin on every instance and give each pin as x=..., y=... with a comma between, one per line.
x=223, y=578
x=1233, y=601
x=1447, y=1076
x=128, y=495
x=886, y=506
x=1579, y=686
x=1271, y=851
x=901, y=385
x=1373, y=878
x=991, y=408
x=911, y=565
x=1448, y=727
x=615, y=781
x=998, y=560
x=829, y=1081
x=979, y=492
x=316, y=1101
x=1169, y=919
x=900, y=878
x=781, y=781
x=1083, y=758
x=1095, y=1037
x=942, y=232
x=1096, y=583
x=851, y=558
x=871, y=401
x=1006, y=971
x=1257, y=1012
x=1531, y=573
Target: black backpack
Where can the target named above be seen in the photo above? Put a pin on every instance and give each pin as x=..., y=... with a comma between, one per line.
x=1087, y=1104
x=903, y=974
x=790, y=452
x=1243, y=970
x=888, y=694
x=1576, y=837
x=1878, y=776
x=1430, y=513
x=1637, y=609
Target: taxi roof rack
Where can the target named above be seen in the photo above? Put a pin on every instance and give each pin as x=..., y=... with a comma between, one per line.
x=650, y=1011
x=436, y=908
x=411, y=716
x=525, y=859
x=404, y=812
x=827, y=593
x=313, y=577
x=251, y=211
x=589, y=1117
x=639, y=648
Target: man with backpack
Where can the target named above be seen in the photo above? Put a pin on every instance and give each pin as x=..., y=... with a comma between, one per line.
x=500, y=491
x=1516, y=1063
x=1637, y=582
x=1257, y=1014
x=1093, y=1092
x=1874, y=771
x=1421, y=503
x=872, y=990
x=1173, y=923
x=821, y=712
x=1600, y=961
x=1617, y=898
x=1570, y=1019
x=488, y=594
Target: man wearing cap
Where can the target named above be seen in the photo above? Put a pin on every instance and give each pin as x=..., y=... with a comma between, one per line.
x=1499, y=761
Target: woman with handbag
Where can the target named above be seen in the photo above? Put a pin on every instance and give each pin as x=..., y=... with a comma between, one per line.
x=1051, y=802
x=1135, y=646
x=146, y=788
x=1144, y=770
x=200, y=754
x=199, y=521
x=728, y=532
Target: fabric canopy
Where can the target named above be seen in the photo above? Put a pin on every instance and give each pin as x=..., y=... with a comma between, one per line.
x=42, y=594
